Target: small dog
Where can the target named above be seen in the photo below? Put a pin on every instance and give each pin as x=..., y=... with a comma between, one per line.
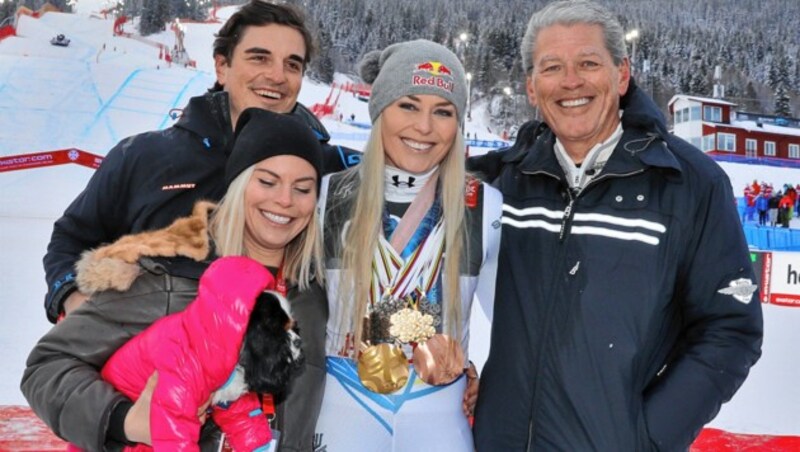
x=271, y=355
x=231, y=343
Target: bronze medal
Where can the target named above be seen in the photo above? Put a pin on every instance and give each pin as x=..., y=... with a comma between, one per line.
x=439, y=360
x=383, y=368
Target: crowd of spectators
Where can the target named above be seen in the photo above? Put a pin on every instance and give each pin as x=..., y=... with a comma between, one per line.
x=762, y=203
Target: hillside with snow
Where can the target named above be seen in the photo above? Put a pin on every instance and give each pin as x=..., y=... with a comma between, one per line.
x=102, y=88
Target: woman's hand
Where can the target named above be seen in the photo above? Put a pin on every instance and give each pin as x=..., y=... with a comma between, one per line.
x=74, y=301
x=137, y=421
x=471, y=393
x=204, y=411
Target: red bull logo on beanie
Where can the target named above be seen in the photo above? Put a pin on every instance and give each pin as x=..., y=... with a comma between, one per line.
x=435, y=71
x=435, y=68
x=428, y=66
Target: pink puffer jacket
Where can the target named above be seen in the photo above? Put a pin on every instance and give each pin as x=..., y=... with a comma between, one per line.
x=194, y=352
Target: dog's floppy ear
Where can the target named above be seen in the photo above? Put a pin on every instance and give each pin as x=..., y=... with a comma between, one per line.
x=266, y=356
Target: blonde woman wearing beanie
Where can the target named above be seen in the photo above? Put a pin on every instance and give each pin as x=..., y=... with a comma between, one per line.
x=267, y=214
x=398, y=378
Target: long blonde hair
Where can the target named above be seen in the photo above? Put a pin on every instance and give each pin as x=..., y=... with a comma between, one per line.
x=302, y=260
x=365, y=222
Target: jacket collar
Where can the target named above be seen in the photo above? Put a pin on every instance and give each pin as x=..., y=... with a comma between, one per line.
x=300, y=111
x=115, y=266
x=643, y=144
x=209, y=117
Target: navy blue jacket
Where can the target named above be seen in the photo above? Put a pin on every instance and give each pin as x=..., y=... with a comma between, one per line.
x=626, y=315
x=148, y=180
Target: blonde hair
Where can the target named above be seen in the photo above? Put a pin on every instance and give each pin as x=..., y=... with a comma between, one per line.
x=303, y=255
x=365, y=223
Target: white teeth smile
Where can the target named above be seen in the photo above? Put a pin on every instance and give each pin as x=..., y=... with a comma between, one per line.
x=417, y=145
x=268, y=94
x=574, y=102
x=276, y=218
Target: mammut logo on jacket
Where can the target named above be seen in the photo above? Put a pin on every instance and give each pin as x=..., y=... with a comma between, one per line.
x=178, y=187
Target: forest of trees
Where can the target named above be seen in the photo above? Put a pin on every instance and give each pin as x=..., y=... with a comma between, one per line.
x=755, y=42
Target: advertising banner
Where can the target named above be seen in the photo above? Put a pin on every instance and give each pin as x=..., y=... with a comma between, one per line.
x=784, y=281
x=50, y=158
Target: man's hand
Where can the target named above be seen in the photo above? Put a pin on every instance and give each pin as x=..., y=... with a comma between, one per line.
x=471, y=393
x=137, y=421
x=74, y=301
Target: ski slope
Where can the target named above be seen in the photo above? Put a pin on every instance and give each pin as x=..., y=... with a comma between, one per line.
x=103, y=88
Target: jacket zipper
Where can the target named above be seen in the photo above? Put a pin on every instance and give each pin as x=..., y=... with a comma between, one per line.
x=566, y=220
x=566, y=226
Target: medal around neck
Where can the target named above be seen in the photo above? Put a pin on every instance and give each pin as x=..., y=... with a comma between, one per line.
x=383, y=368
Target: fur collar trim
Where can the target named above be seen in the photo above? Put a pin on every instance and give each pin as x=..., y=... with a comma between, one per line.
x=115, y=266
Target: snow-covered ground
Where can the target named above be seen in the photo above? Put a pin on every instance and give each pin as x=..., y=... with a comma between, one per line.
x=103, y=88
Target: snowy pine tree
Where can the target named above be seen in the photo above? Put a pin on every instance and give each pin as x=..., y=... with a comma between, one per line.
x=190, y=9
x=321, y=67
x=782, y=106
x=698, y=83
x=154, y=18
x=7, y=9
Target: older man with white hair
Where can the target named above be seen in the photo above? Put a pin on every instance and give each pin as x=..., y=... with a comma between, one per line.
x=626, y=310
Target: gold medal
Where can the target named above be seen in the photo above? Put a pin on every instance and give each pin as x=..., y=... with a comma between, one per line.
x=439, y=360
x=383, y=368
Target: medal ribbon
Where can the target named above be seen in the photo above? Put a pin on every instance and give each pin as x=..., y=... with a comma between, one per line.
x=393, y=267
x=418, y=271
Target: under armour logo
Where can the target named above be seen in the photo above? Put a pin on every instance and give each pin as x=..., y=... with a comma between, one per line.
x=397, y=182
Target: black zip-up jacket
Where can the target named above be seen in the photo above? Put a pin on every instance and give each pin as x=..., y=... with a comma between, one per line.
x=150, y=179
x=626, y=314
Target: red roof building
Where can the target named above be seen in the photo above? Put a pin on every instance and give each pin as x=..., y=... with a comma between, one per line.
x=715, y=126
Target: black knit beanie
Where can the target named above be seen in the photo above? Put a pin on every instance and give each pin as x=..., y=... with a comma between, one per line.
x=261, y=134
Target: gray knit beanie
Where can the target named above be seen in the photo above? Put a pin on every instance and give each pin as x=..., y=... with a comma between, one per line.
x=413, y=67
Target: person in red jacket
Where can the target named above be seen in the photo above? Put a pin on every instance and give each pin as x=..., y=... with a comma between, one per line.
x=750, y=204
x=793, y=196
x=785, y=210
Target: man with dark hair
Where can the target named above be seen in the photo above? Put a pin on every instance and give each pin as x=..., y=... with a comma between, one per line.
x=257, y=14
x=150, y=179
x=627, y=307
x=240, y=57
